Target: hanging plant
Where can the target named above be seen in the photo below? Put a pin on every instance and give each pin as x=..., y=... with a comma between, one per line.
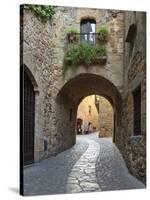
x=102, y=35
x=72, y=36
x=84, y=54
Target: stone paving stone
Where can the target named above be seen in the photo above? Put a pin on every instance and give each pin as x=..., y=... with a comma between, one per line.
x=50, y=175
x=93, y=164
x=87, y=172
x=111, y=170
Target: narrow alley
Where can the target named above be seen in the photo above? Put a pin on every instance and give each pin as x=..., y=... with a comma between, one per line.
x=92, y=164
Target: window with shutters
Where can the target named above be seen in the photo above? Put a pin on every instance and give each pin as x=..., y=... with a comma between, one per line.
x=87, y=30
x=137, y=111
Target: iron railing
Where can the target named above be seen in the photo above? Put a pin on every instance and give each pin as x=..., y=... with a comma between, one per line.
x=90, y=38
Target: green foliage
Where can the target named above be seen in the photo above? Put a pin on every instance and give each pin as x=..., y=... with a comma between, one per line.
x=72, y=30
x=83, y=53
x=72, y=35
x=72, y=56
x=43, y=11
x=101, y=50
x=87, y=53
x=103, y=34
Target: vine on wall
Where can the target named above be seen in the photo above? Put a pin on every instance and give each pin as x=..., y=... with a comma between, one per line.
x=43, y=11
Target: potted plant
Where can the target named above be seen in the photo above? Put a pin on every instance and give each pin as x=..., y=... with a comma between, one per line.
x=72, y=35
x=102, y=35
x=85, y=54
x=101, y=54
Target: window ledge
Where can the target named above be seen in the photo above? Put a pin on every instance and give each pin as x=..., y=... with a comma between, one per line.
x=135, y=139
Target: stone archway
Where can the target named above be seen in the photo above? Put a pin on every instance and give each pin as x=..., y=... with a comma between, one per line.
x=72, y=94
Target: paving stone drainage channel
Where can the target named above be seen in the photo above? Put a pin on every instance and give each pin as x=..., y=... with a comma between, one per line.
x=83, y=177
x=93, y=164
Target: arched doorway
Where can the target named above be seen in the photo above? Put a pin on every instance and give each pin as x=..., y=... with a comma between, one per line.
x=29, y=113
x=70, y=96
x=28, y=118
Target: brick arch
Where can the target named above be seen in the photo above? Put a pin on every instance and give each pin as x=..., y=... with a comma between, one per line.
x=86, y=84
x=100, y=71
x=71, y=95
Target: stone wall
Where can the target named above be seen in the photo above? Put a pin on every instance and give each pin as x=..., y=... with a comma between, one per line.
x=36, y=46
x=58, y=95
x=44, y=47
x=134, y=147
x=105, y=118
x=113, y=69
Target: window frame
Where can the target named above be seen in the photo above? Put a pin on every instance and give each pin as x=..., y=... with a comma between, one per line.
x=88, y=33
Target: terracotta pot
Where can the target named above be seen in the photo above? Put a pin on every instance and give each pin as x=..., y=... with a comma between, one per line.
x=72, y=37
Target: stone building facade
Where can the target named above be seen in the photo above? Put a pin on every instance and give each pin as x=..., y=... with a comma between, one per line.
x=133, y=133
x=88, y=112
x=57, y=95
x=100, y=114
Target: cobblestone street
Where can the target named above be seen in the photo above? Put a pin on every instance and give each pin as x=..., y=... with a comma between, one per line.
x=92, y=164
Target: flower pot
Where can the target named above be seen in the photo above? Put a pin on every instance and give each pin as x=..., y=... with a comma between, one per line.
x=101, y=60
x=72, y=37
x=102, y=39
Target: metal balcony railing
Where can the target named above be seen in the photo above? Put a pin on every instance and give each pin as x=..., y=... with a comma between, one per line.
x=90, y=38
x=93, y=53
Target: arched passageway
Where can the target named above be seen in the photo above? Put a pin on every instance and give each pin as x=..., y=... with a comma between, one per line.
x=95, y=114
x=70, y=96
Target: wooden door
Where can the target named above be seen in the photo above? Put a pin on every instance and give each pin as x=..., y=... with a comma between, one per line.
x=137, y=111
x=28, y=122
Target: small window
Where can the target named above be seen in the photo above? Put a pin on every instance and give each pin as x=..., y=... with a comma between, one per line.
x=137, y=111
x=87, y=30
x=131, y=37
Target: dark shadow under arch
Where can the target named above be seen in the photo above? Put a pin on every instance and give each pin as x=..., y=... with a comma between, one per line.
x=87, y=84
